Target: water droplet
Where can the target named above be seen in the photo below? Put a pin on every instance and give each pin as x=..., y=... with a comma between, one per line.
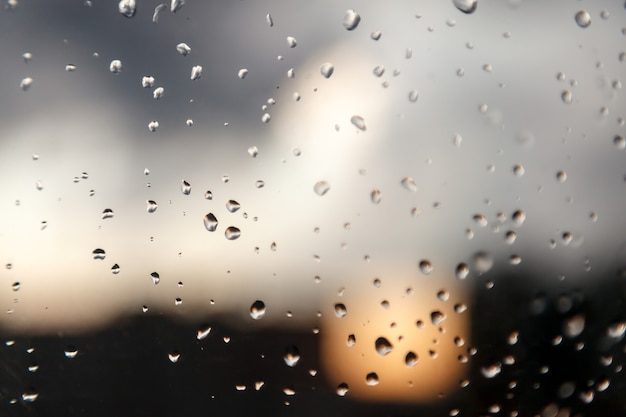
x=483, y=262
x=371, y=379
x=342, y=389
x=321, y=188
x=183, y=49
x=437, y=317
x=98, y=254
x=617, y=330
x=376, y=196
x=269, y=20
x=480, y=219
x=127, y=7
x=70, y=68
x=327, y=69
x=383, y=347
x=351, y=340
x=491, y=371
x=461, y=271
x=413, y=95
x=26, y=83
x=519, y=217
x=292, y=355
x=155, y=278
x=566, y=96
x=359, y=122
x=189, y=122
x=208, y=195
x=466, y=6
x=107, y=214
x=583, y=19
x=203, y=332
x=574, y=326
x=115, y=66
x=291, y=41
x=232, y=233
x=153, y=125
x=232, y=206
x=351, y=20
x=266, y=118
x=561, y=176
x=185, y=187
x=151, y=206
x=15, y=286
x=173, y=356
x=425, y=266
x=158, y=93
x=518, y=170
x=340, y=310
x=176, y=5
x=157, y=10
x=115, y=269
x=27, y=56
x=253, y=151
x=71, y=352
x=30, y=397
x=375, y=35
x=242, y=73
x=378, y=70
x=257, y=310
x=196, y=72
x=443, y=295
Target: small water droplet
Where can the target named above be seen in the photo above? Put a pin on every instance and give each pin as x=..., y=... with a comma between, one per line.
x=437, y=317
x=371, y=379
x=208, y=195
x=561, y=176
x=566, y=96
x=351, y=20
x=26, y=83
x=519, y=217
x=351, y=340
x=383, y=346
x=127, y=7
x=158, y=93
x=155, y=278
x=232, y=233
x=266, y=118
x=70, y=68
x=617, y=330
x=327, y=69
x=253, y=151
x=375, y=35
x=115, y=269
x=583, y=19
x=321, y=188
x=379, y=70
x=425, y=266
x=183, y=49
x=466, y=6
x=107, y=214
x=173, y=356
x=491, y=371
x=269, y=20
x=292, y=355
x=151, y=206
x=340, y=310
x=232, y=206
x=413, y=95
x=242, y=73
x=196, y=72
x=16, y=286
x=176, y=5
x=257, y=310
x=359, y=122
x=461, y=271
x=71, y=352
x=574, y=326
x=376, y=196
x=342, y=389
x=480, y=219
x=410, y=359
x=99, y=254
x=291, y=41
x=153, y=126
x=443, y=295
x=27, y=56
x=115, y=66
x=203, y=332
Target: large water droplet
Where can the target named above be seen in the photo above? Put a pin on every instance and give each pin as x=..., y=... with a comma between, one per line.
x=351, y=20
x=127, y=7
x=151, y=206
x=257, y=310
x=327, y=69
x=321, y=188
x=340, y=310
x=210, y=222
x=99, y=254
x=359, y=122
x=383, y=346
x=232, y=233
x=583, y=19
x=196, y=72
x=115, y=66
x=411, y=359
x=466, y=6
x=107, y=214
x=292, y=355
x=342, y=389
x=371, y=379
x=232, y=206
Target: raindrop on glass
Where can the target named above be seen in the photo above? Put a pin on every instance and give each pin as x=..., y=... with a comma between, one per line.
x=155, y=278
x=378, y=70
x=340, y=310
x=203, y=332
x=71, y=352
x=383, y=347
x=158, y=93
x=176, y=5
x=327, y=69
x=291, y=41
x=466, y=6
x=583, y=19
x=127, y=7
x=153, y=126
x=410, y=359
x=342, y=389
x=574, y=326
x=183, y=49
x=351, y=340
x=491, y=371
x=269, y=20
x=413, y=95
x=321, y=188
x=566, y=96
x=257, y=310
x=98, y=254
x=292, y=355
x=359, y=122
x=185, y=187
x=173, y=356
x=242, y=73
x=375, y=35
x=376, y=196
x=425, y=266
x=232, y=233
x=157, y=10
x=115, y=66
x=461, y=271
x=196, y=72
x=266, y=118
x=232, y=206
x=371, y=379
x=151, y=206
x=107, y=214
x=26, y=83
x=351, y=20
x=115, y=269
x=437, y=317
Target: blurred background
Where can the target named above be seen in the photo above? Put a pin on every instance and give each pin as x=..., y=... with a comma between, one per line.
x=389, y=209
